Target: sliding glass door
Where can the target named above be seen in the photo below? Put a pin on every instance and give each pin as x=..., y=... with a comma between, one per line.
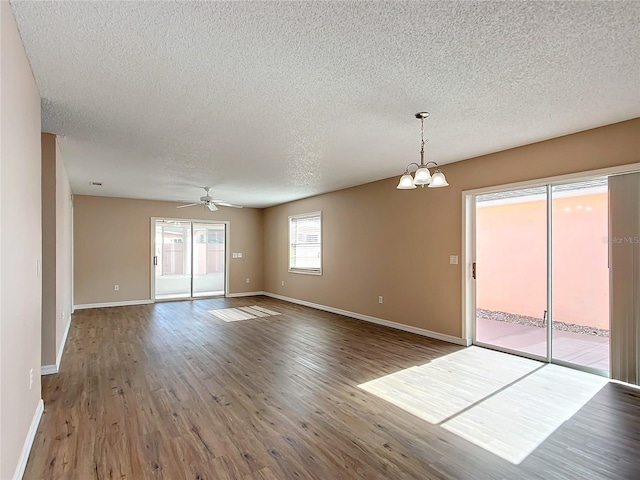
x=542, y=275
x=580, y=333
x=511, y=271
x=189, y=259
x=172, y=259
x=208, y=259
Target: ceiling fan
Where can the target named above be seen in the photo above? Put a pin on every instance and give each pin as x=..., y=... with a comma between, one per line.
x=210, y=203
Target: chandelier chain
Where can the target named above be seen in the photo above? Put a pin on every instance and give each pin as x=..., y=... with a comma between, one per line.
x=422, y=137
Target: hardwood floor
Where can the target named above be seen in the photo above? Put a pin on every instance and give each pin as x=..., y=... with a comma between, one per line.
x=171, y=391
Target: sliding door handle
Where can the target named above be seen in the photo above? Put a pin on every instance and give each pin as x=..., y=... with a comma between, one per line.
x=155, y=260
x=473, y=270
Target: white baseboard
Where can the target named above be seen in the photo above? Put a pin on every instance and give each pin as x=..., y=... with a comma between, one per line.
x=48, y=369
x=147, y=302
x=379, y=321
x=243, y=294
x=112, y=304
x=52, y=369
x=28, y=442
x=63, y=343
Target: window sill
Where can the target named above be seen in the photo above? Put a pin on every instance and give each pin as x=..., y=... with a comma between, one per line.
x=306, y=272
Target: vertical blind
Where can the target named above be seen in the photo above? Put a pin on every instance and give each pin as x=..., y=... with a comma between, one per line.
x=624, y=251
x=305, y=243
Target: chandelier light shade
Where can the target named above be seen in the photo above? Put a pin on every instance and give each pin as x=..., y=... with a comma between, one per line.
x=438, y=180
x=422, y=175
x=406, y=182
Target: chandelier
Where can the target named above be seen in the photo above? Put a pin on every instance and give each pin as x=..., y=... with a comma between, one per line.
x=422, y=174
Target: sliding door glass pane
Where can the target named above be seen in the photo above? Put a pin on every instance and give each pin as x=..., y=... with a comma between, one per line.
x=511, y=264
x=581, y=274
x=208, y=259
x=173, y=259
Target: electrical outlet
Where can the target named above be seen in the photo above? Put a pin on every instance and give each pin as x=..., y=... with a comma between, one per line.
x=247, y=280
x=116, y=287
x=380, y=299
x=453, y=259
x=283, y=283
x=239, y=254
x=30, y=379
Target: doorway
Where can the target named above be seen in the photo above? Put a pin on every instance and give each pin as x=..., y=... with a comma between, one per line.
x=189, y=259
x=541, y=273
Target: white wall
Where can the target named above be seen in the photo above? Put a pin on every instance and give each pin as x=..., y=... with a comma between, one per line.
x=20, y=245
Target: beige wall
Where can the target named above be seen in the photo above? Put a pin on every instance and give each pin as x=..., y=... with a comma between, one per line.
x=112, y=245
x=63, y=251
x=20, y=244
x=378, y=240
x=48, y=202
x=56, y=250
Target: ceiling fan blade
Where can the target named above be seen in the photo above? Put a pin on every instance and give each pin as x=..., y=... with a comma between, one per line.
x=188, y=205
x=212, y=207
x=225, y=204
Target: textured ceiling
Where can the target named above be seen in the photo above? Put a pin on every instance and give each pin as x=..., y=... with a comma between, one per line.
x=273, y=101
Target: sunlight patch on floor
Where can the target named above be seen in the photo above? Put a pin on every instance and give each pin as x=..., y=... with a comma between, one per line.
x=515, y=421
x=503, y=403
x=443, y=387
x=242, y=313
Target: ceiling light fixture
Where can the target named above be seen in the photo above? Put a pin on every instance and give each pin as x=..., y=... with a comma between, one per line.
x=422, y=175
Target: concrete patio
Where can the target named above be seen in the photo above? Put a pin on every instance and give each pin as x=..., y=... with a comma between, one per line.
x=586, y=350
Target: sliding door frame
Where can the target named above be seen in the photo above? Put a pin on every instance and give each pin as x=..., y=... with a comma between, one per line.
x=152, y=245
x=549, y=199
x=469, y=255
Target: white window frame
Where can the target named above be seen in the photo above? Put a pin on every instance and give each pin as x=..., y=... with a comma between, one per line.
x=306, y=271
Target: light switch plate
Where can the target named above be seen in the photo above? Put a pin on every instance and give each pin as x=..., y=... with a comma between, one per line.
x=453, y=259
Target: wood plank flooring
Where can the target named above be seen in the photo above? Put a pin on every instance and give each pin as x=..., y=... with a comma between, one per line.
x=170, y=391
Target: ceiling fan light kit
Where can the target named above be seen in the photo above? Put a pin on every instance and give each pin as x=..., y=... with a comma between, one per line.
x=422, y=175
x=210, y=202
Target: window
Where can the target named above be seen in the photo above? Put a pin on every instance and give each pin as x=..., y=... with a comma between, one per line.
x=216, y=236
x=212, y=236
x=305, y=243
